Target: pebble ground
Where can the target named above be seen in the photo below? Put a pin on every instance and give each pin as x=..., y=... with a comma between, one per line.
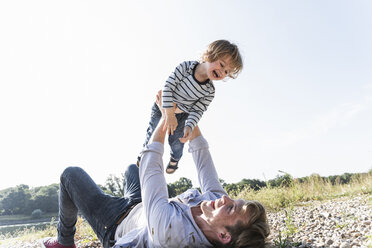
x=339, y=223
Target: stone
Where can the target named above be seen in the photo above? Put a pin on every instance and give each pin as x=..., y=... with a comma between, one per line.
x=345, y=245
x=329, y=242
x=326, y=215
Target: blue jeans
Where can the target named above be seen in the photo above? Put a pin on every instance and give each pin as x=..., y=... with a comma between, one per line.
x=176, y=146
x=78, y=193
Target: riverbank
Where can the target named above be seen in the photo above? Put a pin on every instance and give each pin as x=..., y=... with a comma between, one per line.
x=8, y=220
x=315, y=213
x=343, y=222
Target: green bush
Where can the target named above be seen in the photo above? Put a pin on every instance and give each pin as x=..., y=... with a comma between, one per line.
x=36, y=214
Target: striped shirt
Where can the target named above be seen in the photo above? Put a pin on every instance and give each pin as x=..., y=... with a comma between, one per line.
x=190, y=95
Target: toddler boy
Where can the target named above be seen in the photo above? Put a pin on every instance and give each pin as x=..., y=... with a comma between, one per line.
x=188, y=92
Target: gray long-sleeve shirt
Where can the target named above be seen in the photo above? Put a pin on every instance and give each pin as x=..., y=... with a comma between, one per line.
x=169, y=221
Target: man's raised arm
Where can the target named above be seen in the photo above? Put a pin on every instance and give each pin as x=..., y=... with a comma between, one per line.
x=207, y=174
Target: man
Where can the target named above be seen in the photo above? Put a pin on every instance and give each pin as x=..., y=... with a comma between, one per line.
x=151, y=219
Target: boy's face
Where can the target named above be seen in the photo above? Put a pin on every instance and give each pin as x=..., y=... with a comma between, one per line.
x=219, y=69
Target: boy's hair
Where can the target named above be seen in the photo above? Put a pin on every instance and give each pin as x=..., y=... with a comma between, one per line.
x=220, y=49
x=252, y=233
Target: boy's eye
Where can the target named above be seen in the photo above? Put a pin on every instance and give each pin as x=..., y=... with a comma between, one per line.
x=221, y=64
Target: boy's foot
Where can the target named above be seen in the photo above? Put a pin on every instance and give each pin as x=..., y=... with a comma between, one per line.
x=172, y=166
x=53, y=243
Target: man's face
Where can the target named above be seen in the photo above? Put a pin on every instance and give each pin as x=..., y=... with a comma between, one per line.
x=223, y=212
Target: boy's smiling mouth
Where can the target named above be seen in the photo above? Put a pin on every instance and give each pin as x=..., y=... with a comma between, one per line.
x=215, y=74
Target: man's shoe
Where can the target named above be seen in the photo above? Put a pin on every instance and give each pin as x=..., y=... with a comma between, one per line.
x=53, y=243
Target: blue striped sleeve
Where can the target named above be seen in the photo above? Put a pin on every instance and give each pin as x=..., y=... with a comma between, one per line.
x=170, y=85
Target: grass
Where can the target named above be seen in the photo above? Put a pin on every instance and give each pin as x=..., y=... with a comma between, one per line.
x=277, y=198
x=296, y=193
x=29, y=234
x=369, y=244
x=284, y=237
x=84, y=234
x=274, y=198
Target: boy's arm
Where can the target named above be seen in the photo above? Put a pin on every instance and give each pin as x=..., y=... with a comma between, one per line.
x=198, y=110
x=167, y=98
x=195, y=115
x=170, y=85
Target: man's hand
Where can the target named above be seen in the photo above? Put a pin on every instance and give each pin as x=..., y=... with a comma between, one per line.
x=186, y=134
x=158, y=102
x=159, y=134
x=195, y=133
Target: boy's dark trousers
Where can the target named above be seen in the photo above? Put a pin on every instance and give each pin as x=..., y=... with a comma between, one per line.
x=176, y=146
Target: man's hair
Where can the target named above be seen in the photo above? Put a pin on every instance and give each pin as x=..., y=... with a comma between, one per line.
x=220, y=49
x=252, y=233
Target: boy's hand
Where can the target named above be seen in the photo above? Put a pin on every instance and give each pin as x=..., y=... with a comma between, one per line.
x=170, y=121
x=169, y=115
x=186, y=134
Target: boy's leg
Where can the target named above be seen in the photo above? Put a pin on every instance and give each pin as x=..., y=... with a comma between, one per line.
x=78, y=192
x=176, y=145
x=154, y=120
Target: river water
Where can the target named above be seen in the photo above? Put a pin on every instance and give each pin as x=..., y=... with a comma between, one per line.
x=12, y=229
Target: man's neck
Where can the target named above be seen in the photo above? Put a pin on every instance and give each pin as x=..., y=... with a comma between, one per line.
x=197, y=215
x=196, y=211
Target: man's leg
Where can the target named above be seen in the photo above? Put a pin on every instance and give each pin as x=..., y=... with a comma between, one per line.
x=78, y=192
x=132, y=188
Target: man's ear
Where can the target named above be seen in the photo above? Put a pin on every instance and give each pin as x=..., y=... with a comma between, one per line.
x=224, y=238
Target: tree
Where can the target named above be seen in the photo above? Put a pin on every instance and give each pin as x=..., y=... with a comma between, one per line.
x=178, y=187
x=236, y=188
x=254, y=184
x=114, y=185
x=285, y=180
x=15, y=200
x=45, y=198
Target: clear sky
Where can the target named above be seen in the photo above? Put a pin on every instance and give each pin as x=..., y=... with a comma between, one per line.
x=78, y=78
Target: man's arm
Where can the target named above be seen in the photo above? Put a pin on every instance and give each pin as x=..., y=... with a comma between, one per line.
x=159, y=134
x=159, y=213
x=207, y=174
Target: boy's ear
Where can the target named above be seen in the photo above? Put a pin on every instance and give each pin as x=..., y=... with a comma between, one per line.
x=224, y=238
